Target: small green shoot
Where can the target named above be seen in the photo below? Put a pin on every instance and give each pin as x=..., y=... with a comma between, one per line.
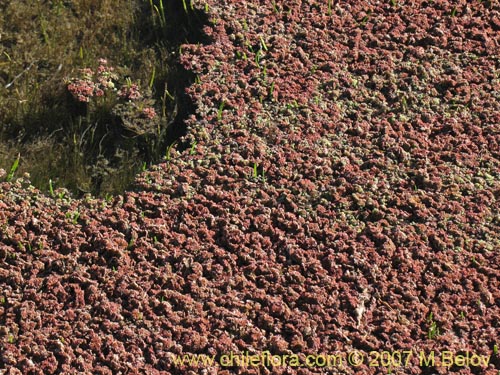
x=164, y=103
x=330, y=5
x=241, y=56
x=51, y=189
x=271, y=90
x=219, y=112
x=184, y=5
x=293, y=104
x=74, y=216
x=404, y=104
x=275, y=8
x=255, y=173
x=160, y=12
x=453, y=12
x=128, y=82
x=167, y=153
x=365, y=19
x=394, y=3
x=163, y=21
x=433, y=328
x=13, y=168
x=495, y=349
x=168, y=94
x=3, y=300
x=249, y=46
x=131, y=244
x=192, y=151
x=152, y=80
x=257, y=58
x=263, y=44
x=43, y=27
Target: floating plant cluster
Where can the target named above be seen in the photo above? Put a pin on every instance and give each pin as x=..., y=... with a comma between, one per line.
x=133, y=107
x=340, y=193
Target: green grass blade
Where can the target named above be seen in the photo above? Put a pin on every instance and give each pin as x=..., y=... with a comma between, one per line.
x=152, y=80
x=51, y=188
x=13, y=169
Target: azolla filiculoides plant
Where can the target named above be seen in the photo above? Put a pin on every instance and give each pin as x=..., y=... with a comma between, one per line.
x=100, y=89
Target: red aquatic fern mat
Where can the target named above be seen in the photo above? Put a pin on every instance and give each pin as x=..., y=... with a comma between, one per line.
x=337, y=210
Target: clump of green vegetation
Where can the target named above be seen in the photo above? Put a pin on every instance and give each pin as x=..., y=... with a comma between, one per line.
x=95, y=145
x=433, y=327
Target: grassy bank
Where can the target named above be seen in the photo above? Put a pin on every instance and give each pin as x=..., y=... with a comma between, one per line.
x=85, y=146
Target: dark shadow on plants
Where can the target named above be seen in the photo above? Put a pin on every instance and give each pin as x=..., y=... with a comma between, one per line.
x=171, y=24
x=89, y=124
